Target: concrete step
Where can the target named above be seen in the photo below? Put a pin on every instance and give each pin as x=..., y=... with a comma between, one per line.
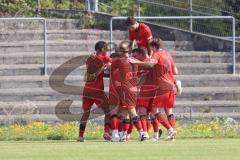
x=189, y=93
x=38, y=57
x=70, y=34
x=35, y=69
x=226, y=80
x=206, y=68
x=56, y=45
x=211, y=80
x=60, y=45
x=204, y=57
x=52, y=24
x=60, y=57
x=184, y=69
x=48, y=107
x=210, y=93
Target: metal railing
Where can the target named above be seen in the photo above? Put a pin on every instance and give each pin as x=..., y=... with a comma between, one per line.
x=188, y=18
x=187, y=8
x=44, y=35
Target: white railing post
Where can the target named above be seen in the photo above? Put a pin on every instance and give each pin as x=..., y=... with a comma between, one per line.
x=139, y=8
x=191, y=20
x=233, y=45
x=45, y=48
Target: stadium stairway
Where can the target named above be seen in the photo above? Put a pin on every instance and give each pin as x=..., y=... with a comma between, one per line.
x=209, y=88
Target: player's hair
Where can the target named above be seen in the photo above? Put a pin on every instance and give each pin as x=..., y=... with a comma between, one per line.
x=100, y=45
x=156, y=43
x=141, y=50
x=114, y=55
x=131, y=21
x=123, y=47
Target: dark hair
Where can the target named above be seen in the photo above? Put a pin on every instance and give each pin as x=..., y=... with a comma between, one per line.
x=114, y=55
x=100, y=45
x=131, y=21
x=156, y=43
x=141, y=50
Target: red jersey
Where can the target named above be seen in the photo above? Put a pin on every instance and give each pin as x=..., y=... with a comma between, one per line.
x=148, y=87
x=142, y=35
x=162, y=72
x=94, y=63
x=125, y=85
x=171, y=65
x=127, y=71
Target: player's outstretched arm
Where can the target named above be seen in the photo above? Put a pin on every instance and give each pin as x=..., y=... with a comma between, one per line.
x=143, y=64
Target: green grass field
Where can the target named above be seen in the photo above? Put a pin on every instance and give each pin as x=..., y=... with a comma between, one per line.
x=181, y=149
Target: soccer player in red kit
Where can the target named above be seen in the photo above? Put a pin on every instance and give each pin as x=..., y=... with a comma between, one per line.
x=94, y=87
x=114, y=102
x=140, y=33
x=147, y=93
x=164, y=73
x=126, y=88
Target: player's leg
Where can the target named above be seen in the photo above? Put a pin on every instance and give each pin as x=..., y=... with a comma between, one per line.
x=163, y=100
x=115, y=127
x=169, y=109
x=125, y=125
x=129, y=131
x=149, y=122
x=137, y=123
x=120, y=124
x=86, y=105
x=107, y=124
x=169, y=112
x=155, y=123
x=142, y=112
x=162, y=119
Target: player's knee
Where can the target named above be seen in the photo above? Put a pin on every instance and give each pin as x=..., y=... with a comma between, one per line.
x=126, y=120
x=170, y=116
x=135, y=119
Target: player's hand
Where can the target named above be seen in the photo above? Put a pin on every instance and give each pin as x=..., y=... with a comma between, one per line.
x=179, y=88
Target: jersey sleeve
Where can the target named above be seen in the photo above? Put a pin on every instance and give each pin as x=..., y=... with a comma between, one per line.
x=107, y=59
x=131, y=35
x=147, y=32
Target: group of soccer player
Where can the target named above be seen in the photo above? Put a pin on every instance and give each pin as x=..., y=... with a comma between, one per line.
x=141, y=83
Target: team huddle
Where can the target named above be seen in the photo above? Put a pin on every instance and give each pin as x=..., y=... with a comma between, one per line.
x=141, y=83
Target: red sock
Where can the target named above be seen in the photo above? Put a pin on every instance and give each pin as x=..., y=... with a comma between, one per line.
x=137, y=123
x=171, y=120
x=107, y=128
x=81, y=133
x=130, y=128
x=114, y=122
x=148, y=124
x=126, y=125
x=144, y=123
x=155, y=125
x=163, y=121
x=120, y=126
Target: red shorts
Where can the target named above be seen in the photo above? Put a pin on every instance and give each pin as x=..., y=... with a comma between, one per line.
x=94, y=95
x=165, y=100
x=127, y=97
x=146, y=97
x=113, y=96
